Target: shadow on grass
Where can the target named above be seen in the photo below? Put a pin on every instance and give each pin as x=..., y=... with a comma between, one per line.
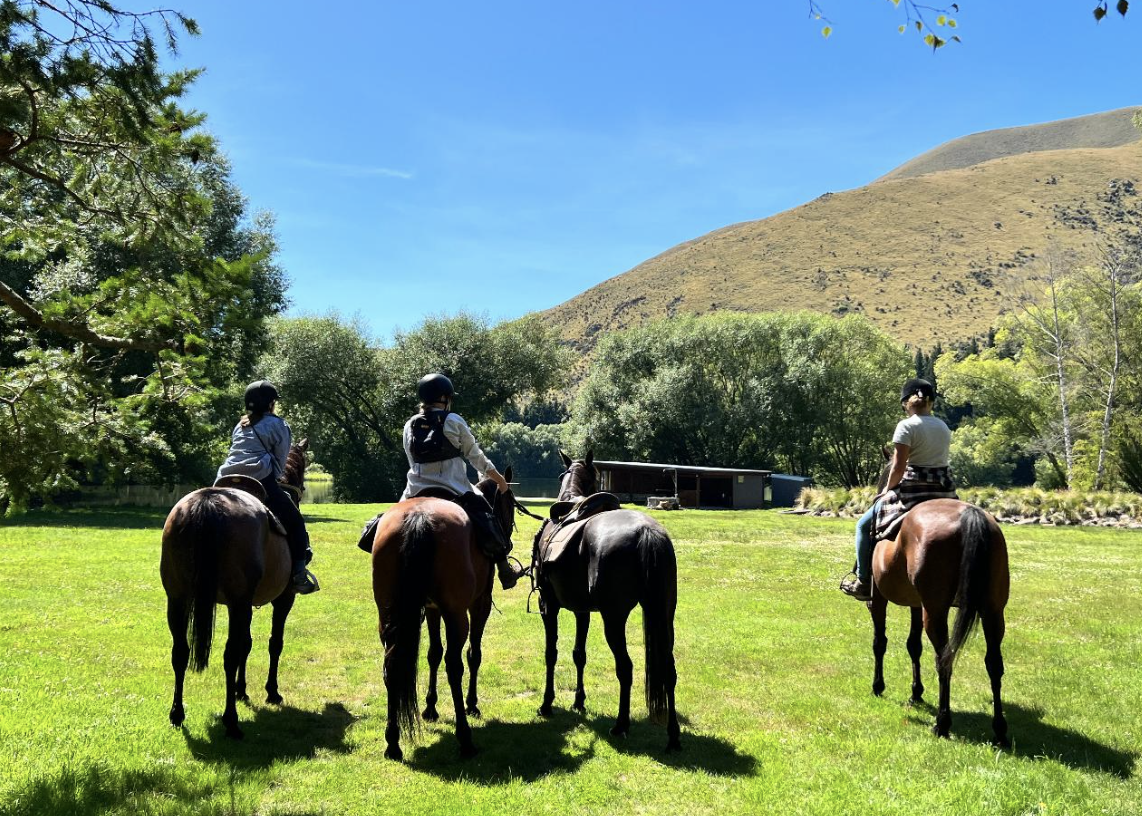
x=507, y=751
x=1034, y=739
x=699, y=752
x=275, y=733
x=116, y=518
x=531, y=750
x=97, y=790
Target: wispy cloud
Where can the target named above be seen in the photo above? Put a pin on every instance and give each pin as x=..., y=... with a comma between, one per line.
x=352, y=170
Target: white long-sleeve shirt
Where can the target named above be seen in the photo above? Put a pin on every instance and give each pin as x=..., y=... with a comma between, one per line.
x=450, y=473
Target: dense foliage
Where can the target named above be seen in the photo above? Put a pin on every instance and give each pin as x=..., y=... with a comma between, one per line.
x=353, y=395
x=803, y=393
x=133, y=281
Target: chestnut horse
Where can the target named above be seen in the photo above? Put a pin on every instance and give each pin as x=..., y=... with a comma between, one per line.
x=625, y=558
x=426, y=564
x=220, y=547
x=946, y=553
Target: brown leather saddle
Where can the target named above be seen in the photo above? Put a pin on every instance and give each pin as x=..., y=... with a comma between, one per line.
x=564, y=531
x=248, y=484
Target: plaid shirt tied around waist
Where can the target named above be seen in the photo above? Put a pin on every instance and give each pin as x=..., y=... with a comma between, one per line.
x=919, y=484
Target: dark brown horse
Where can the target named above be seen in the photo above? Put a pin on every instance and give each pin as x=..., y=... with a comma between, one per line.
x=946, y=553
x=426, y=563
x=625, y=558
x=220, y=546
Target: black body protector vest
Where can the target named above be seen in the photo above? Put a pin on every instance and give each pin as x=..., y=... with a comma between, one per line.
x=429, y=444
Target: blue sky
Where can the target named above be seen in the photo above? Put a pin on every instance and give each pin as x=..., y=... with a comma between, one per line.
x=501, y=157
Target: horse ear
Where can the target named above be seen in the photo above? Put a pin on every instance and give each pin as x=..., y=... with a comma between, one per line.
x=886, y=453
x=566, y=459
x=590, y=460
x=508, y=473
x=303, y=445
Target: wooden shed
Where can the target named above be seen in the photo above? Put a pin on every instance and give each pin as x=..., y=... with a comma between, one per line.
x=694, y=486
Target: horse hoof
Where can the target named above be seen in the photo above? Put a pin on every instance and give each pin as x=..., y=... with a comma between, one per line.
x=1001, y=742
x=942, y=733
x=915, y=701
x=546, y=711
x=430, y=715
x=878, y=689
x=234, y=732
x=579, y=708
x=620, y=731
x=242, y=698
x=673, y=745
x=468, y=751
x=273, y=698
x=177, y=716
x=472, y=711
x=394, y=752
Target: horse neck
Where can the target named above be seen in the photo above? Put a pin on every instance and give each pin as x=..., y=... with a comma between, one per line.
x=295, y=469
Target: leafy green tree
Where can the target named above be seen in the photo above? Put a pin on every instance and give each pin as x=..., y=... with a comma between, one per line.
x=352, y=396
x=531, y=452
x=132, y=285
x=804, y=392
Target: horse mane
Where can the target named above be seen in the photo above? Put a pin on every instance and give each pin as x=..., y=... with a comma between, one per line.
x=295, y=467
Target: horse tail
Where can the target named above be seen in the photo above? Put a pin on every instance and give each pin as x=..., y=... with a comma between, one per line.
x=975, y=579
x=417, y=552
x=203, y=529
x=660, y=599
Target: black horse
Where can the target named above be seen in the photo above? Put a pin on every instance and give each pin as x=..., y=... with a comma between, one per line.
x=623, y=558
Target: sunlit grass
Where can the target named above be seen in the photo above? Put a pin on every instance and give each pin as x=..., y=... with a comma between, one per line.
x=775, y=668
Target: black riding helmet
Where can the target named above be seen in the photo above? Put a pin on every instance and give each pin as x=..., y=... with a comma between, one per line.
x=434, y=388
x=917, y=386
x=259, y=395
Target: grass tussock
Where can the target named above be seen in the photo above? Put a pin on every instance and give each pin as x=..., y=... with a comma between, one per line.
x=1010, y=504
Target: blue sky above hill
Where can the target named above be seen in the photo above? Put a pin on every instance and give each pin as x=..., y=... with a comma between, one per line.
x=501, y=157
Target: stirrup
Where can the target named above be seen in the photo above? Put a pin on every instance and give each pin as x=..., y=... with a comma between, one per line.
x=304, y=582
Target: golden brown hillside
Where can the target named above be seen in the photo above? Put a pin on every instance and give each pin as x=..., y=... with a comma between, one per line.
x=929, y=258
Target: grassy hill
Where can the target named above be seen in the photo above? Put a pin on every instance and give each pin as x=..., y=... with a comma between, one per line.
x=927, y=257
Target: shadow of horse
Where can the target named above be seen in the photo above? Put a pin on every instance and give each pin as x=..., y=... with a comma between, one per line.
x=500, y=759
x=1035, y=739
x=280, y=733
x=712, y=755
x=560, y=744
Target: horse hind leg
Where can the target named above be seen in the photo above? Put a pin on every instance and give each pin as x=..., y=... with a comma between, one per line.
x=282, y=606
x=579, y=655
x=936, y=627
x=456, y=629
x=993, y=631
x=615, y=629
x=479, y=616
x=550, y=655
x=915, y=650
x=238, y=643
x=878, y=609
x=435, y=655
x=177, y=620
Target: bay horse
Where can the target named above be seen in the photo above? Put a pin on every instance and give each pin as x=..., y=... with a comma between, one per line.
x=220, y=546
x=427, y=565
x=946, y=553
x=625, y=558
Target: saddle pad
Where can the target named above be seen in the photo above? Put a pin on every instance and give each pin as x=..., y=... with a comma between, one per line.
x=564, y=539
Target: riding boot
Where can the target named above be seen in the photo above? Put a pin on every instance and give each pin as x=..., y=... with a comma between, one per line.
x=490, y=536
x=304, y=582
x=508, y=575
x=366, y=541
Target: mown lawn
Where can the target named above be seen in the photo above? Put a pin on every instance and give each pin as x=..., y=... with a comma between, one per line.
x=775, y=668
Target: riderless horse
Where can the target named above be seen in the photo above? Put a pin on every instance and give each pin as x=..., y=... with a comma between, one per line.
x=609, y=563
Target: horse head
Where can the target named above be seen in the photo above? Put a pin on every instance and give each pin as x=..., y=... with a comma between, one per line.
x=503, y=502
x=579, y=478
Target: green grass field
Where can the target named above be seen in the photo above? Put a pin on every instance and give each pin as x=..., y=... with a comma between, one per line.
x=775, y=669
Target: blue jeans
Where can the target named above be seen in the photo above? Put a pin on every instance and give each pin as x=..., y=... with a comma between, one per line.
x=864, y=543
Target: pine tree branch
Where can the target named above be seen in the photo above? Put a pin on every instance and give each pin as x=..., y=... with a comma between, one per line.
x=79, y=331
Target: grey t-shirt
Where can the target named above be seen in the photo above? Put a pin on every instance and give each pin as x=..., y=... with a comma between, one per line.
x=258, y=451
x=927, y=438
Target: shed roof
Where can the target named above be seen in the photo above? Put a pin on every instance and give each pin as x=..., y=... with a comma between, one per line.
x=695, y=469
